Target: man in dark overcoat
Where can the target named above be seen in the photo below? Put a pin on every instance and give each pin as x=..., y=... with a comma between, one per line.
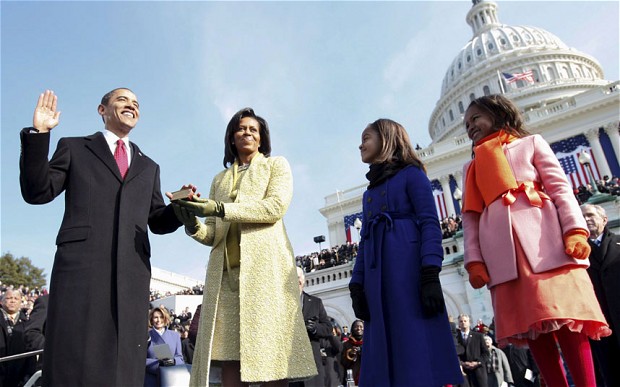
x=34, y=333
x=99, y=292
x=12, y=323
x=604, y=272
x=318, y=326
x=476, y=354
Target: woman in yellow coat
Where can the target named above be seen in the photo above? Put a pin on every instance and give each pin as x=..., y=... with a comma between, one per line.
x=251, y=322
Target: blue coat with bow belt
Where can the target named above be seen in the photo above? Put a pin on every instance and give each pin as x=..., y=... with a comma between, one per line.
x=400, y=233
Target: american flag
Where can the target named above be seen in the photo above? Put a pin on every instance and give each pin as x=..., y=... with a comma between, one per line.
x=440, y=201
x=567, y=151
x=526, y=76
x=349, y=226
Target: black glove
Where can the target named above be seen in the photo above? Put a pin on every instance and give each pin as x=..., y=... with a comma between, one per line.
x=166, y=362
x=430, y=291
x=311, y=326
x=360, y=304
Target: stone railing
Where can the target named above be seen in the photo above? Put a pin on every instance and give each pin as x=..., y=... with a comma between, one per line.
x=339, y=276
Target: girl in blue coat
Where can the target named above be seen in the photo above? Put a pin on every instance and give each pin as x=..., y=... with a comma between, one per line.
x=395, y=285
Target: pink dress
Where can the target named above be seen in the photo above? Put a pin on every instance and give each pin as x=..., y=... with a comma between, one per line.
x=540, y=303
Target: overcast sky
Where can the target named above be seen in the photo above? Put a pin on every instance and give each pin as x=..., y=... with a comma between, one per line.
x=318, y=72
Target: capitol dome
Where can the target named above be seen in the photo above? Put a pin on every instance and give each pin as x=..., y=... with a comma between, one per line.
x=557, y=70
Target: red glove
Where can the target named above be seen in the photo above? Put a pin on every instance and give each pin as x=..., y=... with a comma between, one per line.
x=576, y=244
x=478, y=274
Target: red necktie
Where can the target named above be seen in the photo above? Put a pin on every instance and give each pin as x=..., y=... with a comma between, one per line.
x=120, y=155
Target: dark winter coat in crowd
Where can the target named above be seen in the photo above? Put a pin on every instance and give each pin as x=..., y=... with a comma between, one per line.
x=604, y=272
x=15, y=372
x=313, y=309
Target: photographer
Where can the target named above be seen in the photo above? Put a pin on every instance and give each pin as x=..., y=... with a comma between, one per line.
x=318, y=327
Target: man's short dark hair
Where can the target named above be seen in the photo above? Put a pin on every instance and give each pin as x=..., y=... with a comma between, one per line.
x=106, y=98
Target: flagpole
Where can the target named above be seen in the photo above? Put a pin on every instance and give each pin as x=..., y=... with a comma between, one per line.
x=501, y=83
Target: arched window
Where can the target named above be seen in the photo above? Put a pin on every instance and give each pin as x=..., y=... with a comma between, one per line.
x=472, y=97
x=486, y=90
x=451, y=115
x=461, y=109
x=551, y=73
x=578, y=73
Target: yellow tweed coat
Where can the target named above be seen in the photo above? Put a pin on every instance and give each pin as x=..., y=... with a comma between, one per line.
x=274, y=341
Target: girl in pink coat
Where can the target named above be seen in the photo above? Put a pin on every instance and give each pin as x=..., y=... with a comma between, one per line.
x=525, y=238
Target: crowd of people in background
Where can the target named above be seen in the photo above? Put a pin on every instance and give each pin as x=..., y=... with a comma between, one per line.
x=157, y=294
x=28, y=296
x=330, y=257
x=610, y=186
x=450, y=226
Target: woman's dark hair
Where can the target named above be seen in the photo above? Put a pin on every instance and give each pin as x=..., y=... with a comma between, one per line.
x=506, y=115
x=230, y=151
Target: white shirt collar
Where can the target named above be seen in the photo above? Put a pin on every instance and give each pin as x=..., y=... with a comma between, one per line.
x=112, y=138
x=600, y=238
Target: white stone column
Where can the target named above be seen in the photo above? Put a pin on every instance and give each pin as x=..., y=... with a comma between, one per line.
x=614, y=136
x=458, y=177
x=597, y=151
x=447, y=194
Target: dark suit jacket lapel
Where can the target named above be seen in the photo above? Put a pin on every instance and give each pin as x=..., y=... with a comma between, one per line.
x=596, y=258
x=605, y=248
x=307, y=310
x=138, y=163
x=98, y=145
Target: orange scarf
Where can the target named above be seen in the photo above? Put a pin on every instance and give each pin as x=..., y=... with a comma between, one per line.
x=489, y=174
